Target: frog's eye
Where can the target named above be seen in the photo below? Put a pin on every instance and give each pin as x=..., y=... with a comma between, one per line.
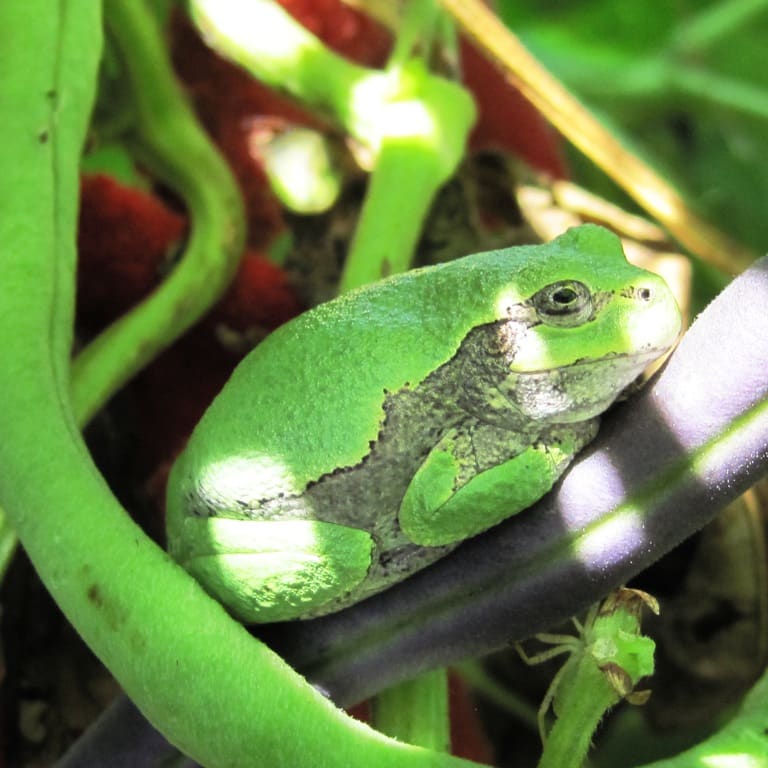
x=565, y=303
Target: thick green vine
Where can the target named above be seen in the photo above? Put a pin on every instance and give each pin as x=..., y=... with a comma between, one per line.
x=169, y=140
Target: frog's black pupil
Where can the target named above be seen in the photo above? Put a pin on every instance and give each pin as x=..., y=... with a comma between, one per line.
x=564, y=296
x=645, y=294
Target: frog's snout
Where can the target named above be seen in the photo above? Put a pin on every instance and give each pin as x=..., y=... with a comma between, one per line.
x=657, y=322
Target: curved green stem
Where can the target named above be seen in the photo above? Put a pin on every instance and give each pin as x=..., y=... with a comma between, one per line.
x=414, y=122
x=213, y=690
x=265, y=39
x=422, y=144
x=169, y=137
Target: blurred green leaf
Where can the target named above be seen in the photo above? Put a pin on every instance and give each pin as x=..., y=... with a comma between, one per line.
x=684, y=82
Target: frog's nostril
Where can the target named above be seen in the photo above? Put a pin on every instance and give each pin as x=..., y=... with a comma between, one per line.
x=644, y=294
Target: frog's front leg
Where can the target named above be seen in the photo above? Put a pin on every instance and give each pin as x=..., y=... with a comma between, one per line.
x=478, y=475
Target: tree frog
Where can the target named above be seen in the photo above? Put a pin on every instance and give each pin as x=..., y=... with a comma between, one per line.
x=371, y=435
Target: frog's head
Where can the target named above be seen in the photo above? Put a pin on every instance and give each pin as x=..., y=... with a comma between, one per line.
x=580, y=325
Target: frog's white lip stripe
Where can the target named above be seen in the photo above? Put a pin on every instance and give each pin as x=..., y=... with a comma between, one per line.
x=646, y=357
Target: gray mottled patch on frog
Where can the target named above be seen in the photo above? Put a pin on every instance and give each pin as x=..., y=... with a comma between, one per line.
x=472, y=401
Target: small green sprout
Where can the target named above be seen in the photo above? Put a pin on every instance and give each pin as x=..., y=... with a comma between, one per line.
x=607, y=659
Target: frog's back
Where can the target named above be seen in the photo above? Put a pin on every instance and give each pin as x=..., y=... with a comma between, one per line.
x=309, y=398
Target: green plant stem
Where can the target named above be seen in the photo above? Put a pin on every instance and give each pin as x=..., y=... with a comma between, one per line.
x=173, y=144
x=416, y=711
x=414, y=123
x=400, y=192
x=214, y=691
x=424, y=129
x=267, y=41
x=612, y=657
x=586, y=698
